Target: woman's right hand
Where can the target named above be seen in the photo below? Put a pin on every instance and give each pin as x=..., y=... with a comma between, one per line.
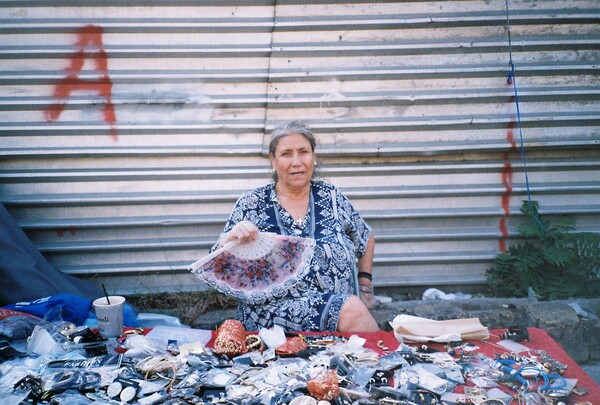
x=244, y=232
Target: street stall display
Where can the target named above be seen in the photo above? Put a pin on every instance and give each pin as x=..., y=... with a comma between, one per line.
x=60, y=363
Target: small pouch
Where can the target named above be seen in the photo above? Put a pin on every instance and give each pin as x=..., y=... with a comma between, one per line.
x=230, y=339
x=324, y=386
x=291, y=347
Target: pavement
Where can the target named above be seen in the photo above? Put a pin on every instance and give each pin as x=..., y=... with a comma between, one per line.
x=593, y=370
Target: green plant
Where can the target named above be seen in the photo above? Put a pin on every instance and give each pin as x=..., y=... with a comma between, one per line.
x=554, y=260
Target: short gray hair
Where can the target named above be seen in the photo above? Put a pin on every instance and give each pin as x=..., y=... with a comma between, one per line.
x=288, y=128
x=292, y=127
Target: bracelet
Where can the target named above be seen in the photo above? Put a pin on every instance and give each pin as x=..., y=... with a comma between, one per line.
x=364, y=274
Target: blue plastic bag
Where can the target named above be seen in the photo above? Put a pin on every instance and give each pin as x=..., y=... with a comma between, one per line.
x=75, y=309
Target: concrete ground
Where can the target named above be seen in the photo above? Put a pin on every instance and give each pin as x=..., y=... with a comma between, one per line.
x=593, y=370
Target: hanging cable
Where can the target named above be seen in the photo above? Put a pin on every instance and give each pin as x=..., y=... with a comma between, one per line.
x=510, y=62
x=512, y=80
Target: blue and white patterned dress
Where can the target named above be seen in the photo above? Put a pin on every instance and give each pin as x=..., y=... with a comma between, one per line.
x=341, y=237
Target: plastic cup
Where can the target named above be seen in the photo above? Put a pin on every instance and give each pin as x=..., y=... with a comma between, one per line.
x=110, y=316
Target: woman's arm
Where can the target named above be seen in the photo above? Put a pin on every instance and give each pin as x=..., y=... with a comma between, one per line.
x=365, y=273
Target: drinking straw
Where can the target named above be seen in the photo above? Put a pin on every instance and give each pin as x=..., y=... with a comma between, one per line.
x=106, y=294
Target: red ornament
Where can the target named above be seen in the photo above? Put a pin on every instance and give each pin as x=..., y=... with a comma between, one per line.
x=324, y=386
x=230, y=338
x=291, y=347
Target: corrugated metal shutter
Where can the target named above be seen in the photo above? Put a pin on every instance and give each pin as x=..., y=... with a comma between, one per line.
x=128, y=132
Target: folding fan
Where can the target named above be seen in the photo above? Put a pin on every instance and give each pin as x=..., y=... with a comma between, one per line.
x=262, y=269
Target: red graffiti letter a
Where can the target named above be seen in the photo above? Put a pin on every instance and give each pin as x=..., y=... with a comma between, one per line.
x=89, y=36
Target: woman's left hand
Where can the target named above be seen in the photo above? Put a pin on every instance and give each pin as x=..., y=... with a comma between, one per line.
x=366, y=295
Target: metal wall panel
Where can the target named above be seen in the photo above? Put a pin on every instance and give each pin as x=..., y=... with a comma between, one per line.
x=128, y=132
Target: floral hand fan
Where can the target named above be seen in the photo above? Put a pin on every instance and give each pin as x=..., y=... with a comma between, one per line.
x=262, y=269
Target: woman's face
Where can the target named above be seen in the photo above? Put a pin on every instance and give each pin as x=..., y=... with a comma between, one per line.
x=294, y=161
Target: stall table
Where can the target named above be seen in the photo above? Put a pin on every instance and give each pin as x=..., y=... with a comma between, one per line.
x=385, y=341
x=539, y=339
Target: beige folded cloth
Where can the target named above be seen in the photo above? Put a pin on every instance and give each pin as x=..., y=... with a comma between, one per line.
x=417, y=329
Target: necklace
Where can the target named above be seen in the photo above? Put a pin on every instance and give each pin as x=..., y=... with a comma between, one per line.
x=298, y=226
x=293, y=208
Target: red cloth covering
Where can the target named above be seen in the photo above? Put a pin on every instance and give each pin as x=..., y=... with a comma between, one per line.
x=539, y=339
x=7, y=313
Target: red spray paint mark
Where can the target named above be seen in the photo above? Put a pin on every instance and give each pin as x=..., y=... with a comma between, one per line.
x=89, y=36
x=507, y=179
x=61, y=231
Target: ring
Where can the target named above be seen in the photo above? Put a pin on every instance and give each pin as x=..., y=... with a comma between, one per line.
x=382, y=346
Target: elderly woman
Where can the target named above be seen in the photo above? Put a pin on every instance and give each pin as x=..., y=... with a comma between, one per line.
x=296, y=204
